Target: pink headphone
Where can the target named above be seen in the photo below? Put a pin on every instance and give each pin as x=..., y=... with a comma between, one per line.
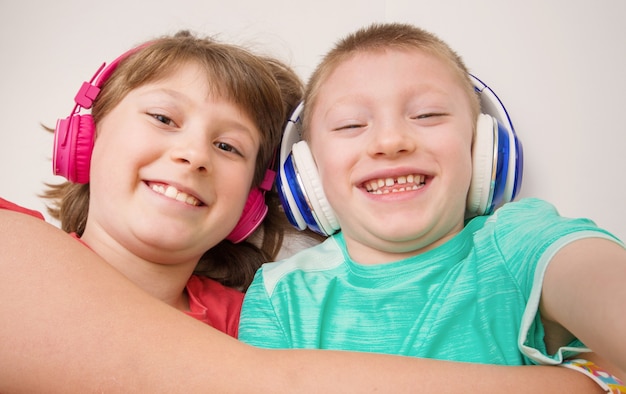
x=74, y=139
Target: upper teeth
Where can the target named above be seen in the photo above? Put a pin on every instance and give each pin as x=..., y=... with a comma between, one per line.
x=173, y=193
x=408, y=182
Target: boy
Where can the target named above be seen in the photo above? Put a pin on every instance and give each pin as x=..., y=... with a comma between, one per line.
x=390, y=120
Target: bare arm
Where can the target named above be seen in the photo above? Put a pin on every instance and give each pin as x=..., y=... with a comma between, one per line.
x=69, y=320
x=585, y=291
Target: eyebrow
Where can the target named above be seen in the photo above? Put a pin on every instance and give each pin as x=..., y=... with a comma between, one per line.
x=167, y=91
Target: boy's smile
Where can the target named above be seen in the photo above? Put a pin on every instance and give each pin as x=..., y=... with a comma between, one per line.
x=395, y=185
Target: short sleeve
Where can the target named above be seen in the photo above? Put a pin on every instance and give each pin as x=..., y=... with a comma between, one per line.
x=258, y=324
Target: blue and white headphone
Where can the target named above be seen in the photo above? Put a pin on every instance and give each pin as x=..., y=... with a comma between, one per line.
x=497, y=157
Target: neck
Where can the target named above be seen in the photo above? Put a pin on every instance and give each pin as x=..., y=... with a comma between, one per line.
x=165, y=281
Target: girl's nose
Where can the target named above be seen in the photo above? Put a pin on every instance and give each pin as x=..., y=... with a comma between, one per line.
x=193, y=153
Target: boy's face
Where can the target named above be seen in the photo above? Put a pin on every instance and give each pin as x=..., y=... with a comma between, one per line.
x=171, y=169
x=391, y=134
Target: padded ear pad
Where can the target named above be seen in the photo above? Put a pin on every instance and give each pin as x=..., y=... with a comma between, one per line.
x=73, y=143
x=490, y=161
x=479, y=195
x=325, y=221
x=252, y=216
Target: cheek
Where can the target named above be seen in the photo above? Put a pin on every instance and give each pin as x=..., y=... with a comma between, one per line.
x=101, y=156
x=109, y=169
x=235, y=179
x=465, y=165
x=109, y=154
x=457, y=154
x=325, y=161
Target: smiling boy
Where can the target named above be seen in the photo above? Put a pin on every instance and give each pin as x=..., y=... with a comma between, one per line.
x=390, y=120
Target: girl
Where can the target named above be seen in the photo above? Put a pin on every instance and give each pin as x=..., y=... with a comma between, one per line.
x=185, y=129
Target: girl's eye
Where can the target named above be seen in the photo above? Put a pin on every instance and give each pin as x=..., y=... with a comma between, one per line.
x=227, y=147
x=163, y=119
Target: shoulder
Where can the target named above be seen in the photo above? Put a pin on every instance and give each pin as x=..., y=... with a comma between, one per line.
x=214, y=304
x=530, y=214
x=203, y=288
x=8, y=205
x=317, y=259
x=527, y=207
x=535, y=224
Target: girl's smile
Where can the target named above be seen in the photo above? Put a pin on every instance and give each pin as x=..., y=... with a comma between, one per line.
x=172, y=192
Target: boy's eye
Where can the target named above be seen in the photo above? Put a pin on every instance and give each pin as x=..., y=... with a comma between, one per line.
x=428, y=115
x=227, y=147
x=349, y=126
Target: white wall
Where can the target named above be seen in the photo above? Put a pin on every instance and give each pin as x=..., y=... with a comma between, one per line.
x=558, y=65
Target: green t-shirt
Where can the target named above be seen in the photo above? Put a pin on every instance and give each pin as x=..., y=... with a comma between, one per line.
x=474, y=298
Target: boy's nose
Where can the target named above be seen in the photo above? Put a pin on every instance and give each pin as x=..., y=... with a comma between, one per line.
x=390, y=139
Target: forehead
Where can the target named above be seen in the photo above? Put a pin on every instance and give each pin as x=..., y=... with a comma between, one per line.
x=193, y=72
x=382, y=69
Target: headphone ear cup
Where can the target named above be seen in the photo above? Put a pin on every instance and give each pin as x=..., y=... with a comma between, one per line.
x=507, y=159
x=515, y=168
x=73, y=144
x=289, y=192
x=481, y=188
x=325, y=220
x=252, y=216
x=503, y=139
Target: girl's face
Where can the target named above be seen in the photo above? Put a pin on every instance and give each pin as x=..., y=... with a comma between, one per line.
x=171, y=170
x=391, y=133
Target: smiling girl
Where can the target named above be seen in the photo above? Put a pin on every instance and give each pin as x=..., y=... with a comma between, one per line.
x=184, y=132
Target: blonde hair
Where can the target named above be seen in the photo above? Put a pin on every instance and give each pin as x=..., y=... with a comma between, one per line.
x=263, y=87
x=380, y=37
